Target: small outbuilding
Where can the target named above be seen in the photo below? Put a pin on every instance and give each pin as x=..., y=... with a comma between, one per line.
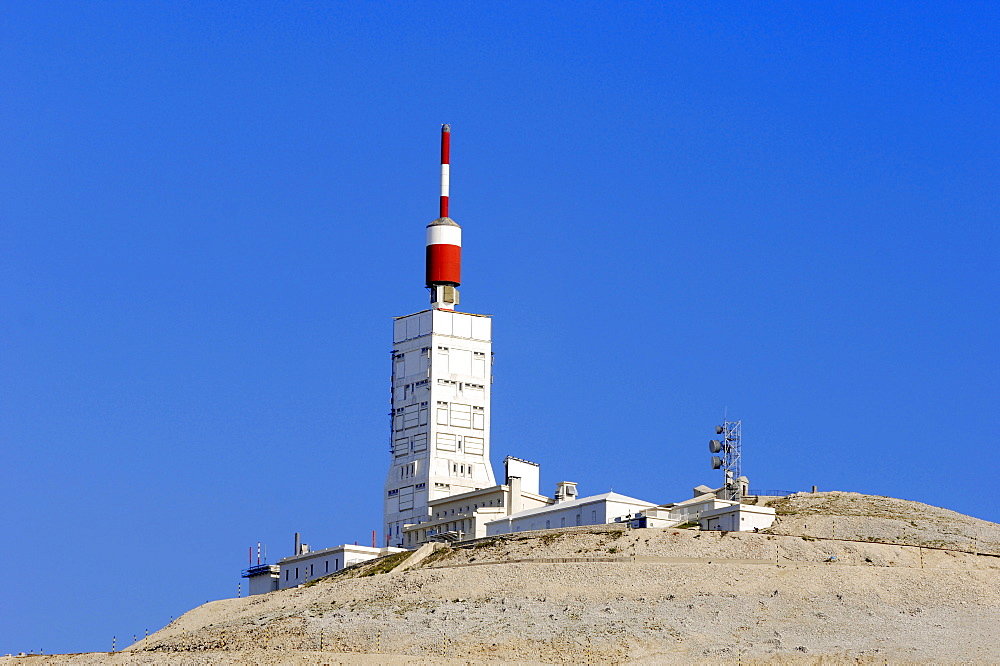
x=737, y=518
x=309, y=565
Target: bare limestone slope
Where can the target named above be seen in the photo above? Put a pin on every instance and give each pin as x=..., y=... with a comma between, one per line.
x=849, y=516
x=606, y=595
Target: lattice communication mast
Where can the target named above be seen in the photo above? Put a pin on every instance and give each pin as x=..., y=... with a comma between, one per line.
x=730, y=447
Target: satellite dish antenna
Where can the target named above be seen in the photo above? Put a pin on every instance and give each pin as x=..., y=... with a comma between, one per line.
x=715, y=446
x=716, y=462
x=719, y=430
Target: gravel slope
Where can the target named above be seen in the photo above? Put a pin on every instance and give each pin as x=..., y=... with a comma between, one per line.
x=604, y=595
x=849, y=516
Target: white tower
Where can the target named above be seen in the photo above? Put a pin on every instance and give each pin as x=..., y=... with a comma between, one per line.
x=441, y=375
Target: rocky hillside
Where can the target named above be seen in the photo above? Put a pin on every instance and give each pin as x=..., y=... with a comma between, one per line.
x=901, y=581
x=882, y=519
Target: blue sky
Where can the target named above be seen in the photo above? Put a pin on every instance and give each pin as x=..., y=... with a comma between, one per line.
x=210, y=212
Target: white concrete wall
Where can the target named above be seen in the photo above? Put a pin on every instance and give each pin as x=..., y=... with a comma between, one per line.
x=469, y=513
x=528, y=472
x=688, y=511
x=310, y=566
x=440, y=443
x=691, y=512
x=262, y=584
x=740, y=518
x=596, y=510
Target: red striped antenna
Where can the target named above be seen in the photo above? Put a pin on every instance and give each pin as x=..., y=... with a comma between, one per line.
x=445, y=167
x=444, y=241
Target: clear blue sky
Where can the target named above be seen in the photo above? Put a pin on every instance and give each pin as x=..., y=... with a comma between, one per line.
x=209, y=213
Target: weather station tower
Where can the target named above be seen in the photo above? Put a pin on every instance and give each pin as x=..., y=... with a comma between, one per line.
x=441, y=374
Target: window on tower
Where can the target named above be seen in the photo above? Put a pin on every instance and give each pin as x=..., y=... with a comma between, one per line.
x=446, y=441
x=411, y=416
x=441, y=361
x=420, y=442
x=461, y=415
x=475, y=446
x=478, y=364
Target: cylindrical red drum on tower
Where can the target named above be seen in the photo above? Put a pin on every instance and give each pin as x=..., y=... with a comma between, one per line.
x=444, y=252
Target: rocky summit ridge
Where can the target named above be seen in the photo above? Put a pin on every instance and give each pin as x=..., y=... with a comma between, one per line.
x=840, y=577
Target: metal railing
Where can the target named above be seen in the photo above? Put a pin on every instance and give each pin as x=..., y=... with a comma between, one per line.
x=257, y=569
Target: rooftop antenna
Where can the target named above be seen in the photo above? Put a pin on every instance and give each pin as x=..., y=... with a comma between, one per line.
x=731, y=447
x=444, y=241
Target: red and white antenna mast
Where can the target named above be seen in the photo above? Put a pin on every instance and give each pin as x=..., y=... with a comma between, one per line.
x=444, y=241
x=445, y=168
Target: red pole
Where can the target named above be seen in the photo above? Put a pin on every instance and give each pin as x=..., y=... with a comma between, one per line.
x=445, y=167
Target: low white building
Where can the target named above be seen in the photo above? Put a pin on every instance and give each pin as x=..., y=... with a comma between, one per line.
x=464, y=516
x=310, y=565
x=262, y=578
x=738, y=518
x=680, y=513
x=711, y=503
x=570, y=512
x=306, y=565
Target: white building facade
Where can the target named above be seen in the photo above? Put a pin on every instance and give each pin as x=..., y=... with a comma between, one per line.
x=440, y=418
x=593, y=510
x=310, y=565
x=261, y=578
x=737, y=518
x=687, y=512
x=464, y=516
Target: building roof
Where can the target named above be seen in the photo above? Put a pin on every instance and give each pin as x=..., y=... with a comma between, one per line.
x=707, y=497
x=472, y=494
x=520, y=460
x=612, y=496
x=346, y=548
